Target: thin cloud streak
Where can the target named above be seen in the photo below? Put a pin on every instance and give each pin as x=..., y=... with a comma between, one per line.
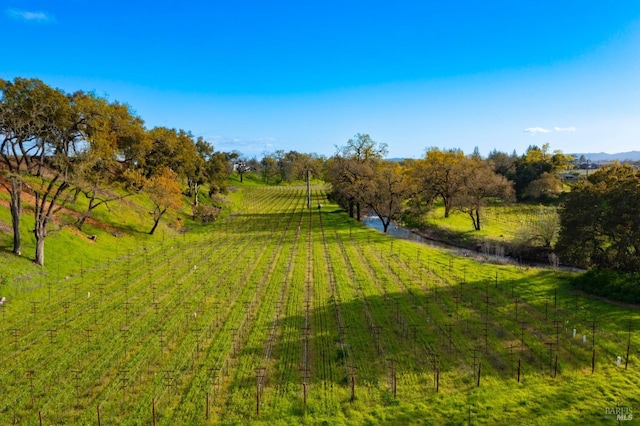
x=25, y=15
x=534, y=130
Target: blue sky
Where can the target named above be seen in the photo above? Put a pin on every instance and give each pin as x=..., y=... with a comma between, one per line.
x=258, y=76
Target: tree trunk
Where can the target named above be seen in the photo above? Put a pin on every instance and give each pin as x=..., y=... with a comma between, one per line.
x=40, y=233
x=385, y=225
x=76, y=194
x=87, y=213
x=196, y=191
x=40, y=228
x=44, y=211
x=473, y=220
x=16, y=212
x=155, y=225
x=358, y=212
x=477, y=219
x=81, y=220
x=156, y=220
x=447, y=206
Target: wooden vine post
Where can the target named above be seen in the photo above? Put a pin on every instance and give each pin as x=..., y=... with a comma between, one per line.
x=626, y=362
x=393, y=376
x=260, y=371
x=352, y=381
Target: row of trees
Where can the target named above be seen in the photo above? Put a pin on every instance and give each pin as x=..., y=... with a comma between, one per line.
x=362, y=179
x=281, y=166
x=599, y=221
x=59, y=146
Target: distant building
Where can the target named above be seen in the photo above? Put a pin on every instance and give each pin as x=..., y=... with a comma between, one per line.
x=588, y=166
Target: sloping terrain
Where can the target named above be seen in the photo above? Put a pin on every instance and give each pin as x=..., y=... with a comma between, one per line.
x=281, y=314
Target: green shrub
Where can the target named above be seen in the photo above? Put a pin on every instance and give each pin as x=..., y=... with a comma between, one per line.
x=610, y=284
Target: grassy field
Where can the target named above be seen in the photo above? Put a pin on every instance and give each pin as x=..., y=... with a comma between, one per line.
x=279, y=314
x=499, y=222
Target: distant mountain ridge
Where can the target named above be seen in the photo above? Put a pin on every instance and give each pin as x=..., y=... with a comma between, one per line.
x=591, y=156
x=604, y=157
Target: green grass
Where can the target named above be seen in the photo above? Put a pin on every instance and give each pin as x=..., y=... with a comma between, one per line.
x=272, y=290
x=500, y=224
x=498, y=221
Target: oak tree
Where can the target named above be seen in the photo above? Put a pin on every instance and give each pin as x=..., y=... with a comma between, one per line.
x=441, y=175
x=599, y=223
x=26, y=115
x=351, y=169
x=479, y=184
x=165, y=193
x=386, y=192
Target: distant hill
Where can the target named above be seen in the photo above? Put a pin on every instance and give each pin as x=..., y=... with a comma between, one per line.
x=599, y=157
x=604, y=157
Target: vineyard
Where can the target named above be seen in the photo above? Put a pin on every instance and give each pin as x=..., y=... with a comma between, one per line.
x=282, y=314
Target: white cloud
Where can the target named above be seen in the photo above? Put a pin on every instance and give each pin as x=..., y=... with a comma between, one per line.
x=564, y=129
x=26, y=15
x=536, y=130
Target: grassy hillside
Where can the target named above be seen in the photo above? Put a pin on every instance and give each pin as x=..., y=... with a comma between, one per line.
x=279, y=314
x=499, y=222
x=121, y=227
x=522, y=231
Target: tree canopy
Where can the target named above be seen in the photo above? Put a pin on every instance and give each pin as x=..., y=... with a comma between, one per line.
x=60, y=145
x=479, y=184
x=441, y=175
x=535, y=173
x=599, y=222
x=164, y=191
x=351, y=170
